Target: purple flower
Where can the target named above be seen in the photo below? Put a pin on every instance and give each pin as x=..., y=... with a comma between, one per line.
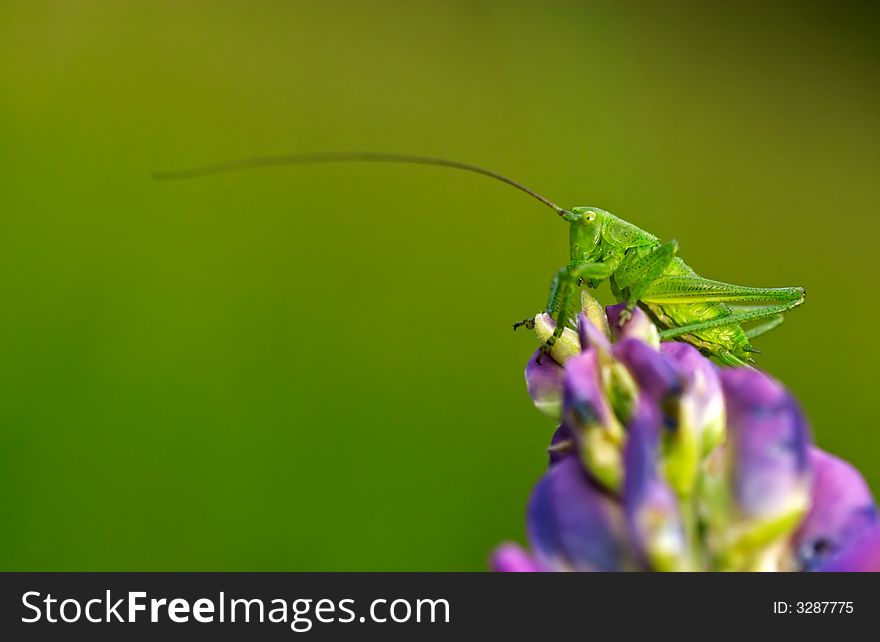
x=663, y=461
x=512, y=558
x=591, y=336
x=651, y=507
x=761, y=492
x=862, y=554
x=585, y=404
x=637, y=326
x=841, y=510
x=767, y=443
x=703, y=399
x=656, y=374
x=589, y=417
x=566, y=346
x=572, y=525
x=544, y=379
x=562, y=444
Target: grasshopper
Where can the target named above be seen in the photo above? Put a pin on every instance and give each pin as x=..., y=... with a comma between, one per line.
x=640, y=268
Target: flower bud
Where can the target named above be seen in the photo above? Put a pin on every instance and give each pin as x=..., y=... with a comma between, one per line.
x=595, y=313
x=566, y=346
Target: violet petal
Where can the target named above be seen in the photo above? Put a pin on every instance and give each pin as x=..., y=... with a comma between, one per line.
x=592, y=337
x=650, y=505
x=638, y=326
x=588, y=414
x=703, y=399
x=571, y=524
x=544, y=381
x=862, y=555
x=512, y=558
x=562, y=444
x=768, y=439
x=841, y=509
x=657, y=374
x=585, y=404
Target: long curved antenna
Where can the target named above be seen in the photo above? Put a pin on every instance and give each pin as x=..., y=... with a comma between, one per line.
x=349, y=157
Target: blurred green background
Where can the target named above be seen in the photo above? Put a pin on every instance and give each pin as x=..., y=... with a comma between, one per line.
x=313, y=368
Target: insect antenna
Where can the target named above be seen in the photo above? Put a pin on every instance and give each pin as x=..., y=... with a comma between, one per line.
x=351, y=157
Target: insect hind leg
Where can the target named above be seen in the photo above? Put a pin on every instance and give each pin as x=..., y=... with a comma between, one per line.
x=736, y=318
x=729, y=359
x=696, y=289
x=765, y=327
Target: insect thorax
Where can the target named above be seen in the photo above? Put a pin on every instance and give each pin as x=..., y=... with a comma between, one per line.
x=625, y=235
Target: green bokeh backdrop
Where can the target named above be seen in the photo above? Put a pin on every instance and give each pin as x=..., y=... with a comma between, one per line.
x=313, y=368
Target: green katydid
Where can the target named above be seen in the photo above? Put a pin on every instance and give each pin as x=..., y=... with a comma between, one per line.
x=640, y=269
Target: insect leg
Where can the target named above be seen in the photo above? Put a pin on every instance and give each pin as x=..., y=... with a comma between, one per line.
x=562, y=300
x=556, y=287
x=744, y=316
x=591, y=271
x=696, y=289
x=528, y=324
x=729, y=359
x=761, y=328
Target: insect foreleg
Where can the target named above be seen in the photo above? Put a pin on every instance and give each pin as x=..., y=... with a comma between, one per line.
x=696, y=289
x=562, y=304
x=755, y=314
x=592, y=273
